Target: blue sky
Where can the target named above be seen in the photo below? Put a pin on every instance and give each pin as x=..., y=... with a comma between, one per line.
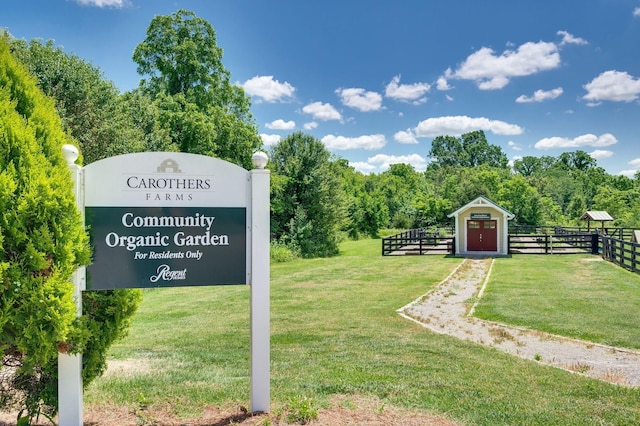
x=377, y=80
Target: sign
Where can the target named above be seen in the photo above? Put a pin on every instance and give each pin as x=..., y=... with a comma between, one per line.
x=169, y=219
x=480, y=216
x=163, y=219
x=166, y=246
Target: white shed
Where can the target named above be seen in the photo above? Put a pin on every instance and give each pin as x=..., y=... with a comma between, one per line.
x=482, y=227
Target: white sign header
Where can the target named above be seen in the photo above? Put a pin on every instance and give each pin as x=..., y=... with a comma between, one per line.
x=153, y=179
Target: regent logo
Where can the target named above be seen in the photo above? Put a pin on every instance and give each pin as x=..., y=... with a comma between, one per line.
x=168, y=183
x=164, y=273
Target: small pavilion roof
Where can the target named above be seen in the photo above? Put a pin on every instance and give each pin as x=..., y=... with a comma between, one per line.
x=596, y=215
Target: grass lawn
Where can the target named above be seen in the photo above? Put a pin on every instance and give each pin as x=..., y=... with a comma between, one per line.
x=335, y=331
x=570, y=295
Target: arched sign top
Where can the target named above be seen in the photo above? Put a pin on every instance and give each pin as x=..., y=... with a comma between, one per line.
x=151, y=179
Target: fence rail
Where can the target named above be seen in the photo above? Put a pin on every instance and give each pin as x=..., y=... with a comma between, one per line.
x=418, y=241
x=621, y=233
x=620, y=252
x=563, y=243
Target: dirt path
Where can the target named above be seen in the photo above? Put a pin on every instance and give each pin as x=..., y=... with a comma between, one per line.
x=445, y=309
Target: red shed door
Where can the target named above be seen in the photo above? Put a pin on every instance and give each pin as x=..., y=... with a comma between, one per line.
x=482, y=235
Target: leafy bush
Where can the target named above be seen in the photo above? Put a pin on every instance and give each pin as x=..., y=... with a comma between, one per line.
x=281, y=252
x=42, y=243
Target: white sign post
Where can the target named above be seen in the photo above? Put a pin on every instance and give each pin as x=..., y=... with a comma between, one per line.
x=70, y=366
x=260, y=285
x=166, y=219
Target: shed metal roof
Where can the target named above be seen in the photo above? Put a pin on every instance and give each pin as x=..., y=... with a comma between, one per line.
x=596, y=215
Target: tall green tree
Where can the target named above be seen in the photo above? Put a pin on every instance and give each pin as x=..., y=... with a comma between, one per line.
x=200, y=110
x=42, y=242
x=90, y=106
x=446, y=151
x=306, y=201
x=400, y=184
x=527, y=165
x=365, y=205
x=470, y=150
x=478, y=151
x=521, y=199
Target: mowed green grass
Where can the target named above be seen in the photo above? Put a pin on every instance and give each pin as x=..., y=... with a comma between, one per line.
x=335, y=331
x=570, y=295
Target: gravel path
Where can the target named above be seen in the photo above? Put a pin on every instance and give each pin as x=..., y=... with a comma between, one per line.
x=445, y=310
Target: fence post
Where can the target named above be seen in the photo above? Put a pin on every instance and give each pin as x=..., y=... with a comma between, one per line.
x=546, y=244
x=594, y=243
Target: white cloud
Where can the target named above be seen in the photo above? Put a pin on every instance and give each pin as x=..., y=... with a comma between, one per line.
x=281, y=125
x=628, y=173
x=568, y=38
x=269, y=139
x=605, y=139
x=443, y=84
x=614, y=86
x=600, y=154
x=514, y=146
x=360, y=99
x=368, y=142
x=321, y=111
x=460, y=124
x=632, y=172
x=363, y=166
x=268, y=89
x=310, y=125
x=491, y=71
x=406, y=137
x=104, y=3
x=407, y=92
x=636, y=11
x=513, y=160
x=541, y=95
x=384, y=161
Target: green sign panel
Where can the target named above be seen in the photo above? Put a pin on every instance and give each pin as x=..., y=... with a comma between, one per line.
x=166, y=246
x=480, y=216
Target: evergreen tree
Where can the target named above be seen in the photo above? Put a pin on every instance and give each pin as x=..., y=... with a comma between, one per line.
x=307, y=201
x=42, y=243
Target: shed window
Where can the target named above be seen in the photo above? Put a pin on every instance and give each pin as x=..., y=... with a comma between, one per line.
x=473, y=224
